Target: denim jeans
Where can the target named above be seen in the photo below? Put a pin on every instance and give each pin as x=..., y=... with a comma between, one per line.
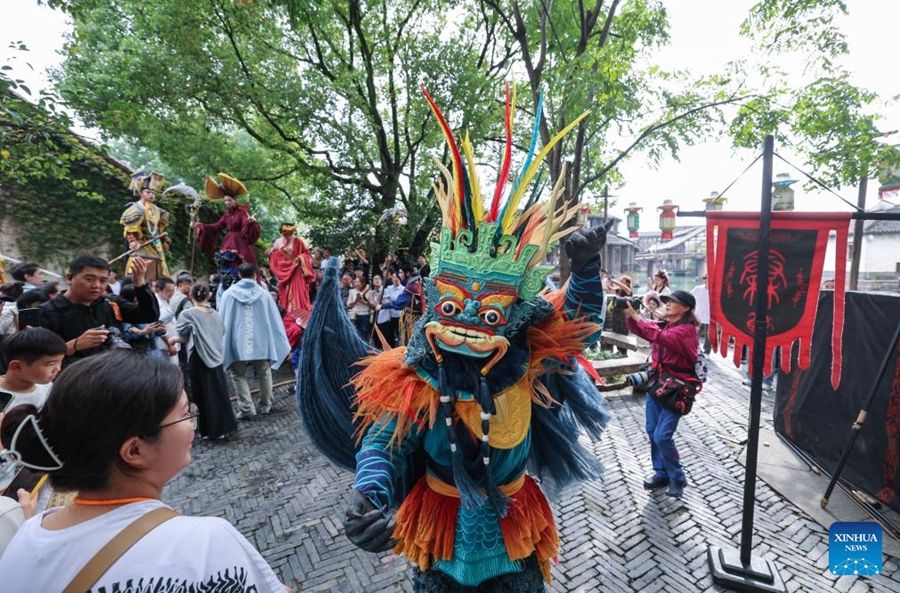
x=661, y=425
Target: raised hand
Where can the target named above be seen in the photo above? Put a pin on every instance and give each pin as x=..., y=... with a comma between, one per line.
x=366, y=527
x=584, y=246
x=138, y=270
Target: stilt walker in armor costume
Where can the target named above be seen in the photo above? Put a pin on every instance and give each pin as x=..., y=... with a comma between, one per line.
x=144, y=221
x=492, y=381
x=242, y=229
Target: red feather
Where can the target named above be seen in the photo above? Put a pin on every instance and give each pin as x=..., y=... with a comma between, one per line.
x=504, y=166
x=457, y=160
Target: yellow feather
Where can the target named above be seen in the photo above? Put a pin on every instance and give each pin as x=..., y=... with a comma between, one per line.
x=532, y=170
x=477, y=201
x=445, y=197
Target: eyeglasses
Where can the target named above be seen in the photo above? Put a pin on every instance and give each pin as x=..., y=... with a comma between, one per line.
x=193, y=416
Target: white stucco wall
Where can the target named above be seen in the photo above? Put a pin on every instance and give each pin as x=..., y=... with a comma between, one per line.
x=880, y=255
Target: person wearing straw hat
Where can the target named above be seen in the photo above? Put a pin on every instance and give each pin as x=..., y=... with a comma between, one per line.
x=242, y=229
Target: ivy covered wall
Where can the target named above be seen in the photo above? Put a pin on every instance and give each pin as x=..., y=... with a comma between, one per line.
x=50, y=221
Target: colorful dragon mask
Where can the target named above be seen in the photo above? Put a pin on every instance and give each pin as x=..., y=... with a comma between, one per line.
x=490, y=254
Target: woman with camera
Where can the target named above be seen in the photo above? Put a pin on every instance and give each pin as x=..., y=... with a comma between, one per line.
x=115, y=429
x=674, y=351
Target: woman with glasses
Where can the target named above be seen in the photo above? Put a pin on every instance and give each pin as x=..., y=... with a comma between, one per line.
x=202, y=330
x=115, y=429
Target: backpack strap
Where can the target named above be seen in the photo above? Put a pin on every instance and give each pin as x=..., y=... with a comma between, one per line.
x=116, y=547
x=180, y=308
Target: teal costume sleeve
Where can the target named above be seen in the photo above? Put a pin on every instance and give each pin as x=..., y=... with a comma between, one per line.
x=584, y=297
x=379, y=465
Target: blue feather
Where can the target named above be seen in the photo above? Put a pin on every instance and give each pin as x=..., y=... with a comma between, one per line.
x=331, y=347
x=535, y=134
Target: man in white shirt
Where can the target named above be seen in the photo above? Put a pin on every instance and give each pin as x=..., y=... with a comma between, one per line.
x=165, y=288
x=701, y=295
x=115, y=286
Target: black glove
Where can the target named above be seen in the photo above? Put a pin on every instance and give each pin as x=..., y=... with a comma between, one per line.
x=584, y=246
x=366, y=527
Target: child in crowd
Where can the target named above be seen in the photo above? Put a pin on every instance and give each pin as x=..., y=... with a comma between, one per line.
x=141, y=336
x=33, y=357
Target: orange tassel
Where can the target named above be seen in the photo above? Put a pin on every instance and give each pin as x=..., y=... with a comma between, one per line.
x=426, y=526
x=529, y=528
x=385, y=387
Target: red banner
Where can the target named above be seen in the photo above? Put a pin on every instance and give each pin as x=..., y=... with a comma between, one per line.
x=798, y=242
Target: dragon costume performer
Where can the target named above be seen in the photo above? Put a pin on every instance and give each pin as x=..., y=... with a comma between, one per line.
x=456, y=429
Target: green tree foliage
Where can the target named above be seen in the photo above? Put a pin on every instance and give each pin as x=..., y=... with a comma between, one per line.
x=829, y=121
x=315, y=104
x=35, y=141
x=317, y=107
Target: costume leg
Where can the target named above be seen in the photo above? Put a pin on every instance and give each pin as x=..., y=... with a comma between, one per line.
x=653, y=410
x=434, y=581
x=264, y=375
x=239, y=374
x=530, y=580
x=663, y=436
x=154, y=269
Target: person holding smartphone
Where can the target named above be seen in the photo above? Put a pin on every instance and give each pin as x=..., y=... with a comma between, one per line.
x=89, y=319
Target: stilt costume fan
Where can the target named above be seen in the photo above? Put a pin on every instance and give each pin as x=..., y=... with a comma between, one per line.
x=450, y=435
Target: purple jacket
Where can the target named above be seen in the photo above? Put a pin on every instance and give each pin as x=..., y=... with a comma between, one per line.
x=679, y=343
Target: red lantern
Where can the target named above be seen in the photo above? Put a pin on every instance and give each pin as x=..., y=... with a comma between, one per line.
x=581, y=218
x=667, y=219
x=633, y=220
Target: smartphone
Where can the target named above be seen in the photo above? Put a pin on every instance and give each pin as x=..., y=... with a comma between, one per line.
x=10, y=466
x=5, y=399
x=29, y=318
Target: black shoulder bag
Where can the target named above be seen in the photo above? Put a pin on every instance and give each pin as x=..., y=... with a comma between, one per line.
x=672, y=392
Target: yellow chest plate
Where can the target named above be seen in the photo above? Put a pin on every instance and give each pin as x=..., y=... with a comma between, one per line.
x=509, y=426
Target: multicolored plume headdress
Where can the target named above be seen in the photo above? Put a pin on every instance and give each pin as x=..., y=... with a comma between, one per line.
x=508, y=238
x=229, y=186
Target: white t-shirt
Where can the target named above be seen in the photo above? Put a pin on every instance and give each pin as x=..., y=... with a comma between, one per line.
x=35, y=398
x=701, y=295
x=11, y=519
x=182, y=554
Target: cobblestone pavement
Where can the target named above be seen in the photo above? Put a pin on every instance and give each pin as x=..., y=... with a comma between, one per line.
x=274, y=486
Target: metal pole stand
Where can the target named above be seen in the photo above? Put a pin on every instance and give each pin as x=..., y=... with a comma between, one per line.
x=733, y=569
x=730, y=572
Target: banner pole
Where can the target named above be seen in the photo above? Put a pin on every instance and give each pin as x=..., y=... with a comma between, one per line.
x=861, y=419
x=744, y=572
x=759, y=350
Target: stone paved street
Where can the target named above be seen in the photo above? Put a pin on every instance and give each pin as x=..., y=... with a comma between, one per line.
x=273, y=485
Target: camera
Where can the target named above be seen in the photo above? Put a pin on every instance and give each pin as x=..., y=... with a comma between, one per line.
x=639, y=378
x=623, y=302
x=115, y=339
